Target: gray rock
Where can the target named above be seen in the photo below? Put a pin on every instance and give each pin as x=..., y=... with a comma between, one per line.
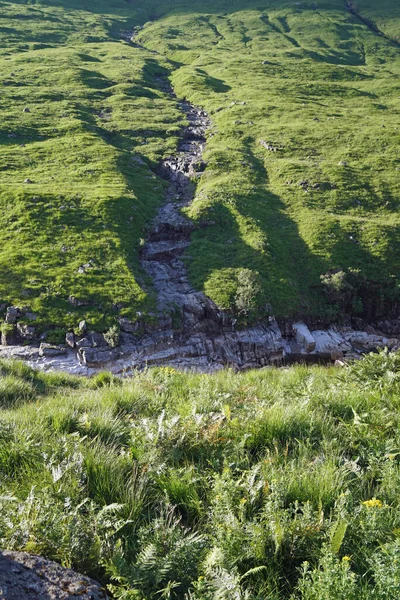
x=82, y=326
x=51, y=350
x=128, y=326
x=30, y=316
x=70, y=339
x=27, y=577
x=330, y=343
x=27, y=332
x=93, y=357
x=12, y=315
x=304, y=337
x=76, y=301
x=84, y=343
x=365, y=341
x=96, y=339
x=9, y=336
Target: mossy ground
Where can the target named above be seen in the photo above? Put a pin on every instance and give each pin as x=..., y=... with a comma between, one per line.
x=310, y=79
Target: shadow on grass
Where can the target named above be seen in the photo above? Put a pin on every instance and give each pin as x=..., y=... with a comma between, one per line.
x=289, y=270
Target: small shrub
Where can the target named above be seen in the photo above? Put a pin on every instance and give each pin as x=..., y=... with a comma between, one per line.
x=112, y=336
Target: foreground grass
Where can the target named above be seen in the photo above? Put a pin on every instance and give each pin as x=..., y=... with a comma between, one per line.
x=269, y=484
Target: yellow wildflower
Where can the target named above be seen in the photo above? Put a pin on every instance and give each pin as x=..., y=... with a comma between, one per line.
x=373, y=503
x=346, y=558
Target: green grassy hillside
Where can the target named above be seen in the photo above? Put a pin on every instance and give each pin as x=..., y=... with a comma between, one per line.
x=266, y=485
x=309, y=79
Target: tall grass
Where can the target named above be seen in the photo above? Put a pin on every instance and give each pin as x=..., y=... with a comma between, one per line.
x=272, y=484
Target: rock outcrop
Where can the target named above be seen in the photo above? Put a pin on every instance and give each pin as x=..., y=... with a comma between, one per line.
x=27, y=577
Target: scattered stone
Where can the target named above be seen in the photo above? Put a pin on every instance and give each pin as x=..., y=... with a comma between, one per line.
x=51, y=350
x=27, y=110
x=342, y=163
x=77, y=302
x=27, y=180
x=82, y=326
x=268, y=146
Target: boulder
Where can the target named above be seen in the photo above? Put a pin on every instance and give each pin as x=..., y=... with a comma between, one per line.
x=82, y=326
x=361, y=340
x=50, y=350
x=304, y=337
x=70, y=339
x=27, y=332
x=27, y=577
x=9, y=336
x=93, y=357
x=12, y=315
x=128, y=326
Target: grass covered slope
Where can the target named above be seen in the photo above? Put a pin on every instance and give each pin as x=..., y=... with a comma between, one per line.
x=314, y=83
x=302, y=180
x=83, y=121
x=272, y=484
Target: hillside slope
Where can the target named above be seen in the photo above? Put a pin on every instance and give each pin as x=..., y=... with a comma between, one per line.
x=302, y=179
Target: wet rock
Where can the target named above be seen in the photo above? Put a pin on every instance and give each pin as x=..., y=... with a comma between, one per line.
x=27, y=577
x=51, y=350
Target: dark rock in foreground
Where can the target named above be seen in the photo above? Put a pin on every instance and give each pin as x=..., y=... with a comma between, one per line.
x=27, y=577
